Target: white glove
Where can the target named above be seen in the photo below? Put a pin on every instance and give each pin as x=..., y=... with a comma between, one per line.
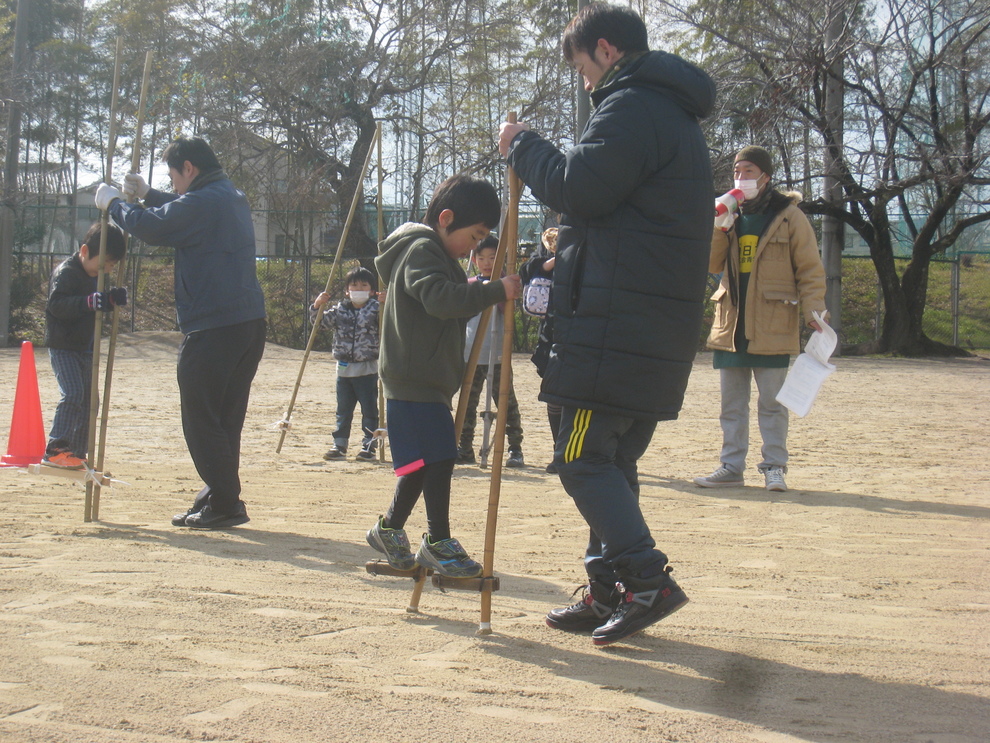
x=725, y=221
x=105, y=194
x=135, y=186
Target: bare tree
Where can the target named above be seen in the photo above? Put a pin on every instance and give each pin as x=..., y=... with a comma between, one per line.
x=290, y=93
x=316, y=78
x=912, y=164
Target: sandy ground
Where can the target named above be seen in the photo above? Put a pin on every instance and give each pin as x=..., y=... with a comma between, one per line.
x=852, y=608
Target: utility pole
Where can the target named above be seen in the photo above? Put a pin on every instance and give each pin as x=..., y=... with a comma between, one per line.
x=8, y=211
x=833, y=229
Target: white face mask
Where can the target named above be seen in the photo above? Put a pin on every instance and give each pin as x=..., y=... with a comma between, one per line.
x=749, y=188
x=358, y=298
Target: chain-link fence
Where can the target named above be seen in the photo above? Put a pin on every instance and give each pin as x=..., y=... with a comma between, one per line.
x=957, y=312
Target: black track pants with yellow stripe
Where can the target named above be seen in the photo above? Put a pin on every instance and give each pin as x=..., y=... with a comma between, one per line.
x=596, y=455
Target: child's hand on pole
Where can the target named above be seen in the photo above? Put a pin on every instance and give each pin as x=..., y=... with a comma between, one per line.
x=513, y=286
x=321, y=300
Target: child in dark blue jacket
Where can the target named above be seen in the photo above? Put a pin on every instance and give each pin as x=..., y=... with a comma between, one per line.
x=69, y=327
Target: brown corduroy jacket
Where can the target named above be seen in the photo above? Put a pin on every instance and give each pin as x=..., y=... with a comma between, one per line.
x=787, y=273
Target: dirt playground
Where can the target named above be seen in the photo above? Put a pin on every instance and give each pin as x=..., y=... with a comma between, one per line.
x=854, y=607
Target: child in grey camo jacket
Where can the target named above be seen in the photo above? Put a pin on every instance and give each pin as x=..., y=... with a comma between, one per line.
x=354, y=322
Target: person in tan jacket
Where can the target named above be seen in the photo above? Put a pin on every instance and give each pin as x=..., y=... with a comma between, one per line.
x=772, y=278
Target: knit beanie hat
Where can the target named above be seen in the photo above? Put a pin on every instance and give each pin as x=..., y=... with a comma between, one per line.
x=758, y=156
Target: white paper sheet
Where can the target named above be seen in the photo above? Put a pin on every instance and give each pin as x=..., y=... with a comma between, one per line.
x=810, y=370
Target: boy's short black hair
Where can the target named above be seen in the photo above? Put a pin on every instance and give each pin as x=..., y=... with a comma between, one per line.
x=487, y=243
x=619, y=26
x=473, y=200
x=194, y=149
x=115, y=241
x=360, y=273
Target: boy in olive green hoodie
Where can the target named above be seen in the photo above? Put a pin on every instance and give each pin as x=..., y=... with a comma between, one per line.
x=428, y=304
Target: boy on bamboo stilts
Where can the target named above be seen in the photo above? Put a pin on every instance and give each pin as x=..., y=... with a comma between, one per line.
x=422, y=361
x=69, y=328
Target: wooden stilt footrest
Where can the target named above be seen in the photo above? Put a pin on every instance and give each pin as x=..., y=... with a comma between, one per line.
x=480, y=585
x=418, y=574
x=381, y=567
x=100, y=478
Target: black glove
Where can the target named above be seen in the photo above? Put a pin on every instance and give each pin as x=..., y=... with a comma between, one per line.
x=106, y=301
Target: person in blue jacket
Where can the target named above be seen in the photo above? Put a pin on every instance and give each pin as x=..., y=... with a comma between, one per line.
x=635, y=196
x=220, y=309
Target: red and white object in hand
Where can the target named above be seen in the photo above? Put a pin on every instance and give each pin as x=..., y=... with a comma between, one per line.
x=726, y=206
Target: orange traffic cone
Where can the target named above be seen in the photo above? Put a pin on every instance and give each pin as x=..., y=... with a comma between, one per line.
x=26, y=444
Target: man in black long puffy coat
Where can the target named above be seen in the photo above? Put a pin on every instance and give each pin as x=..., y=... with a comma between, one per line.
x=635, y=194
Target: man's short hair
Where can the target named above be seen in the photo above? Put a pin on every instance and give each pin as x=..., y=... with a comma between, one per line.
x=360, y=273
x=619, y=26
x=115, y=241
x=473, y=201
x=194, y=149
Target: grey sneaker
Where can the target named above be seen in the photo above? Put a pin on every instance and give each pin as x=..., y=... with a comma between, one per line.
x=723, y=477
x=774, y=477
x=393, y=543
x=447, y=557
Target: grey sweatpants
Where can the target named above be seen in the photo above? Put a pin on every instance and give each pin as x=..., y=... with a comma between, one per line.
x=772, y=416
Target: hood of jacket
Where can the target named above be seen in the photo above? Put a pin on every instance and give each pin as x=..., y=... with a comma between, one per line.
x=689, y=86
x=392, y=248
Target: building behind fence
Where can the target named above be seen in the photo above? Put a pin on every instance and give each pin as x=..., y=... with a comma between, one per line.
x=957, y=311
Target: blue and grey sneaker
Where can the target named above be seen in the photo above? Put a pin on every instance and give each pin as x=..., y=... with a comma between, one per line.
x=393, y=543
x=447, y=557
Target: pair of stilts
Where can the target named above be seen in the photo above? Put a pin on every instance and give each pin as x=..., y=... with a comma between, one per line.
x=93, y=475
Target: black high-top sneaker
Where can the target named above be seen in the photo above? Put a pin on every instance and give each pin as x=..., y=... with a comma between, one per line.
x=597, y=603
x=645, y=601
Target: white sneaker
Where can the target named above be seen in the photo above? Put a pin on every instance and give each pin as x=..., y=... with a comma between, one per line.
x=775, y=479
x=723, y=477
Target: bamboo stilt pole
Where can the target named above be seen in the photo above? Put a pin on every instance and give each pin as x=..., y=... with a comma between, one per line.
x=486, y=416
x=121, y=271
x=507, y=241
x=382, y=420
x=486, y=314
x=286, y=421
x=94, y=386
